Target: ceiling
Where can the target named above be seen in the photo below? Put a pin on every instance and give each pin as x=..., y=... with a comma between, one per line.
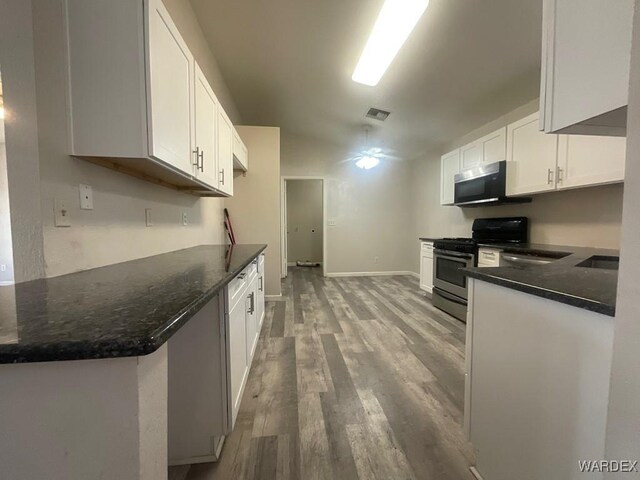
x=288, y=63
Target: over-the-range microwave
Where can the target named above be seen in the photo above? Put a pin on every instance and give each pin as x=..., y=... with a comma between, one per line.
x=483, y=186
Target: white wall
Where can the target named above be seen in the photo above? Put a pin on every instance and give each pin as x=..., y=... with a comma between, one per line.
x=21, y=136
x=115, y=230
x=6, y=247
x=581, y=217
x=255, y=206
x=624, y=396
x=371, y=208
x=304, y=220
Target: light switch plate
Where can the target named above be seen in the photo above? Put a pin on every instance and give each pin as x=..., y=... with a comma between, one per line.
x=61, y=217
x=86, y=197
x=147, y=217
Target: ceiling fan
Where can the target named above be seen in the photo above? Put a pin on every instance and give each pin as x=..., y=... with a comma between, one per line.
x=369, y=157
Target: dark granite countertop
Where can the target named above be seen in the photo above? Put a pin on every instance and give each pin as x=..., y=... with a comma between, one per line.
x=122, y=310
x=561, y=280
x=427, y=239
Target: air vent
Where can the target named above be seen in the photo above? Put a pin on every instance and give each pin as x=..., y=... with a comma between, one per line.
x=377, y=114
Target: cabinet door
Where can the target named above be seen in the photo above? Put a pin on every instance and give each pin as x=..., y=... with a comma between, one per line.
x=225, y=153
x=449, y=167
x=471, y=155
x=531, y=157
x=426, y=267
x=170, y=91
x=206, y=112
x=238, y=367
x=590, y=160
x=494, y=146
x=586, y=49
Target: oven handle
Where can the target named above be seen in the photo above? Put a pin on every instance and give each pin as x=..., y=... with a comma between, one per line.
x=448, y=296
x=447, y=253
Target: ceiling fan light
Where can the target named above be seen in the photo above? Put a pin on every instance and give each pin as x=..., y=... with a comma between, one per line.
x=396, y=20
x=367, y=162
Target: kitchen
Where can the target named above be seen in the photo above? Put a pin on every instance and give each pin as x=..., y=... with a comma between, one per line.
x=124, y=261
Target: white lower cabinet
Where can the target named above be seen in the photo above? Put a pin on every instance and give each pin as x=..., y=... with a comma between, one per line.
x=426, y=266
x=260, y=311
x=209, y=362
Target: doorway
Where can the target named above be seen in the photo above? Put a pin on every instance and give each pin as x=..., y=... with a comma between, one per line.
x=303, y=223
x=6, y=246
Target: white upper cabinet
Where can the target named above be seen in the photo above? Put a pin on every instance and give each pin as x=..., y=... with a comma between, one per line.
x=532, y=157
x=586, y=49
x=449, y=167
x=590, y=160
x=542, y=162
x=240, y=153
x=171, y=69
x=138, y=102
x=225, y=153
x=206, y=114
x=488, y=149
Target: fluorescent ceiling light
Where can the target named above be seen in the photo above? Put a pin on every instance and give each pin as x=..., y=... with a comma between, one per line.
x=394, y=24
x=367, y=162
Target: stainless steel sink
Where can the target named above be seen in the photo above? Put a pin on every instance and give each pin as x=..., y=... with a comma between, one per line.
x=601, y=261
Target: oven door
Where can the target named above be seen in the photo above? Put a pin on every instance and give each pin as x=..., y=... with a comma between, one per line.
x=447, y=275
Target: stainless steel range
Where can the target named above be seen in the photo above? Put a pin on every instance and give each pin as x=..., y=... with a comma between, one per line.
x=450, y=255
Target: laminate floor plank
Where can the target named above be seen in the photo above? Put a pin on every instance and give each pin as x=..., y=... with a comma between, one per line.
x=354, y=378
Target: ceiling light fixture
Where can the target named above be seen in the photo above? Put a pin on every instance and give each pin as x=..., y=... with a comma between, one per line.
x=395, y=22
x=367, y=162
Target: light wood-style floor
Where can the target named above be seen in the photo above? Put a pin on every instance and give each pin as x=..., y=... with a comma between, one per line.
x=353, y=378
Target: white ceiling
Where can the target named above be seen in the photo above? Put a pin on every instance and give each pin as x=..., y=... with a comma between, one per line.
x=288, y=63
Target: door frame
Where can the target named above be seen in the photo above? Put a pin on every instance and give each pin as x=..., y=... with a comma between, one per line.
x=283, y=220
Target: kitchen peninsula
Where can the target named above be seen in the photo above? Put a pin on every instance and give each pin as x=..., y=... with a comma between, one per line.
x=88, y=358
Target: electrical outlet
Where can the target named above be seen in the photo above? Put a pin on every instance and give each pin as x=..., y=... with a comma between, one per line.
x=332, y=223
x=61, y=217
x=147, y=217
x=3, y=268
x=376, y=259
x=86, y=197
x=185, y=219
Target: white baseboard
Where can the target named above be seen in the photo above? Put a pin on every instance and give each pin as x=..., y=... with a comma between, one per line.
x=293, y=264
x=369, y=274
x=271, y=298
x=414, y=274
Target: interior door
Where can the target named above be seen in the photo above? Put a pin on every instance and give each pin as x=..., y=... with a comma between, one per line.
x=206, y=110
x=170, y=91
x=225, y=153
x=531, y=158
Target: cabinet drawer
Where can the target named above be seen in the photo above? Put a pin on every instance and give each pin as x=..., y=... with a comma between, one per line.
x=427, y=249
x=236, y=288
x=488, y=257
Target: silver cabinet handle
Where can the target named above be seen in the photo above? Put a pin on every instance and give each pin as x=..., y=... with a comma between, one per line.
x=201, y=167
x=197, y=162
x=242, y=275
x=222, y=176
x=549, y=176
x=252, y=306
x=559, y=175
x=261, y=284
